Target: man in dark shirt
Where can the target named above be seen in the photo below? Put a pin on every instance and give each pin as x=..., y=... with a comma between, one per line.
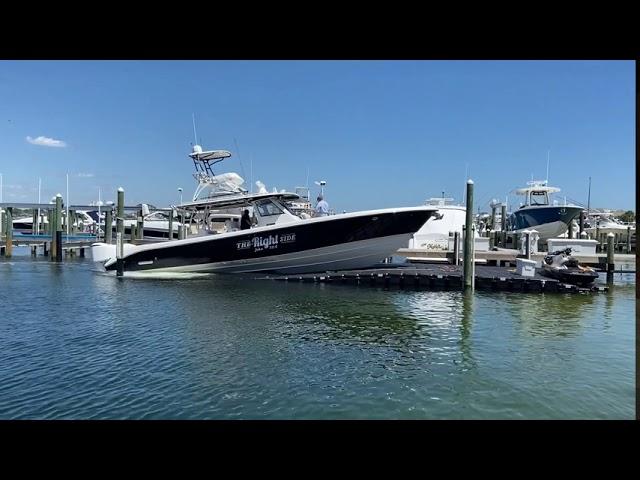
x=245, y=222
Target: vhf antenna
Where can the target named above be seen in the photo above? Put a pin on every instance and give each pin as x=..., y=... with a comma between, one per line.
x=195, y=137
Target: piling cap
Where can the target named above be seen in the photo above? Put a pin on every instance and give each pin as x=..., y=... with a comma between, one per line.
x=120, y=189
x=469, y=182
x=610, y=235
x=58, y=195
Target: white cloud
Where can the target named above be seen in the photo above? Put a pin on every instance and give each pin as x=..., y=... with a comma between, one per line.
x=46, y=141
x=85, y=175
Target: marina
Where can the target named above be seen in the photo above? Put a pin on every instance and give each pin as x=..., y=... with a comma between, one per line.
x=309, y=278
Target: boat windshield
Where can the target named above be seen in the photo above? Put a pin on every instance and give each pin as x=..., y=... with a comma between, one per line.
x=539, y=198
x=267, y=208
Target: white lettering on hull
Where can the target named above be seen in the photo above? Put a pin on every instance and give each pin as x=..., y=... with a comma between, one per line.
x=270, y=242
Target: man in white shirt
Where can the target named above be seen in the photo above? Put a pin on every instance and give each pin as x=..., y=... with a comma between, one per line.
x=322, y=207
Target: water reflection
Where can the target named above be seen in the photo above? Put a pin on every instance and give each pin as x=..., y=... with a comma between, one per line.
x=550, y=315
x=339, y=313
x=465, y=327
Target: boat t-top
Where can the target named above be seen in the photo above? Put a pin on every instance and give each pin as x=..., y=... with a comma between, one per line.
x=279, y=241
x=537, y=212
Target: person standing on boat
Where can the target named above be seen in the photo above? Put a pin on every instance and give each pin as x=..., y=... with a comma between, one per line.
x=245, y=221
x=322, y=207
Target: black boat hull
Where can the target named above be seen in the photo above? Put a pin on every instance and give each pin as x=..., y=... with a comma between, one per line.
x=331, y=243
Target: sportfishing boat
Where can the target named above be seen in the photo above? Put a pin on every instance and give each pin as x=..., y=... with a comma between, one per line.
x=562, y=266
x=280, y=241
x=549, y=219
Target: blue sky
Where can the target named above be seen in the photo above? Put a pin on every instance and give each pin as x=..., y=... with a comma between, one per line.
x=382, y=134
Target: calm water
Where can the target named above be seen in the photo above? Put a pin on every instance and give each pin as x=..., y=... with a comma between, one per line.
x=77, y=344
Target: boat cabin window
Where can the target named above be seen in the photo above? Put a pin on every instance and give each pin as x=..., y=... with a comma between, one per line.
x=267, y=208
x=539, y=198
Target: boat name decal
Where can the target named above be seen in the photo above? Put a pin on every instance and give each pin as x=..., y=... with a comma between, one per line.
x=266, y=243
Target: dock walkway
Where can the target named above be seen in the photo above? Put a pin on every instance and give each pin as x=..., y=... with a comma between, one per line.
x=507, y=256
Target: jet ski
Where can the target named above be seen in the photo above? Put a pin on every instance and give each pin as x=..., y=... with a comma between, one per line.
x=563, y=267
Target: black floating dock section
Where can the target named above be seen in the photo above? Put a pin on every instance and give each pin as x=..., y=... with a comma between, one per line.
x=440, y=276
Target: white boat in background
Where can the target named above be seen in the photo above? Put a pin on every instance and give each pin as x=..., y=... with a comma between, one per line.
x=84, y=223
x=156, y=225
x=436, y=234
x=604, y=222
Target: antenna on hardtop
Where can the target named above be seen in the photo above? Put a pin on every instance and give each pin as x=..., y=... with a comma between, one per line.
x=195, y=137
x=547, y=178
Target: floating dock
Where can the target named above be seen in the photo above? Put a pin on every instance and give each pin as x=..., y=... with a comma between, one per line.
x=506, y=256
x=440, y=276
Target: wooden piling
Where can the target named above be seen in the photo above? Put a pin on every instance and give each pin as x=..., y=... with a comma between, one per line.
x=59, y=245
x=52, y=233
x=132, y=233
x=120, y=213
x=610, y=264
x=171, y=224
x=33, y=250
x=468, y=240
x=108, y=226
x=527, y=247
x=456, y=248
x=81, y=252
x=8, y=234
x=140, y=226
x=628, y=239
x=493, y=216
x=581, y=224
x=58, y=229
x=570, y=232
x=119, y=254
x=74, y=227
x=503, y=212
